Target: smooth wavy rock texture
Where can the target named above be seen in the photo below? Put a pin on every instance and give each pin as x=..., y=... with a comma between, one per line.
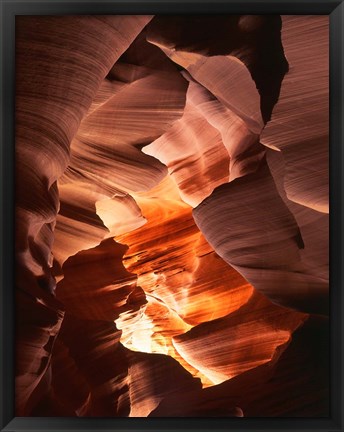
x=172, y=216
x=306, y=154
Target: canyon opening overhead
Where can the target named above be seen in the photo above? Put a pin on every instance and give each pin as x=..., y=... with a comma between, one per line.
x=172, y=216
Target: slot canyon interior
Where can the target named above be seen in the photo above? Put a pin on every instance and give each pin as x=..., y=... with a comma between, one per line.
x=172, y=218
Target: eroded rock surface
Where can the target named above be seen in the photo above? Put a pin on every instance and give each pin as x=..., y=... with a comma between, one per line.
x=172, y=216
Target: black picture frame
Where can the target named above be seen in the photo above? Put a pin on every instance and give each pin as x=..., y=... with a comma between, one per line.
x=9, y=10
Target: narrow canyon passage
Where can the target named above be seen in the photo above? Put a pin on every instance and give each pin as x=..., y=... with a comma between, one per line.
x=172, y=216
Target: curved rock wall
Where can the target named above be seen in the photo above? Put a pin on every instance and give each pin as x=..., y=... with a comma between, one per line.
x=172, y=216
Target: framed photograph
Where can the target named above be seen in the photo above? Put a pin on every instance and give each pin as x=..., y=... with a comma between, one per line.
x=172, y=206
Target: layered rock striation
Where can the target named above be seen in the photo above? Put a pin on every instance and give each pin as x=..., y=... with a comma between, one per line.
x=172, y=216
